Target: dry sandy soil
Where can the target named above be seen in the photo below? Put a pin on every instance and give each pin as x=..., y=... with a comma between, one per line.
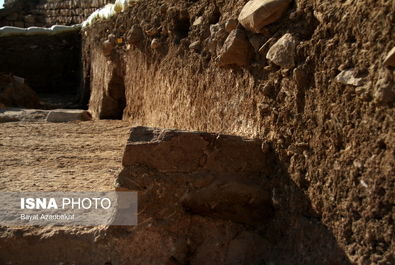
x=75, y=156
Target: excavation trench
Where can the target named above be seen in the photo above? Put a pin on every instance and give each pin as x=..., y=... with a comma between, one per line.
x=316, y=188
x=49, y=62
x=203, y=199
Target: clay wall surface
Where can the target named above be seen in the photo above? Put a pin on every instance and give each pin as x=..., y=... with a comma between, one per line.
x=327, y=114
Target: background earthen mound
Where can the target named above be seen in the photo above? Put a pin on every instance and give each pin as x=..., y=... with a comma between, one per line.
x=15, y=93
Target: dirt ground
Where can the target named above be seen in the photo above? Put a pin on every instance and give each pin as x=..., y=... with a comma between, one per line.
x=75, y=156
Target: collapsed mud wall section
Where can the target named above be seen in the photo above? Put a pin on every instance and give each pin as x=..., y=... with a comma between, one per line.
x=325, y=106
x=27, y=13
x=49, y=62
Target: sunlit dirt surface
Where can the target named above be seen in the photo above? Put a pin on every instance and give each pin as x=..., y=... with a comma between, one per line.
x=74, y=156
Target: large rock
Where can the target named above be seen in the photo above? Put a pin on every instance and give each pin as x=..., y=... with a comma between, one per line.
x=180, y=151
x=15, y=93
x=390, y=59
x=347, y=77
x=236, y=49
x=258, y=13
x=283, y=51
x=66, y=115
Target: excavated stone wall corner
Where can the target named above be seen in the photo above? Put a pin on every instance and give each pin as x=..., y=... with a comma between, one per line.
x=181, y=151
x=214, y=175
x=202, y=196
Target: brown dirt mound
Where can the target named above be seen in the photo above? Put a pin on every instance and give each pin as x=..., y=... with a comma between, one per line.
x=15, y=93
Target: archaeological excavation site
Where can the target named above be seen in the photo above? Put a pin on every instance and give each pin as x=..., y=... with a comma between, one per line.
x=253, y=132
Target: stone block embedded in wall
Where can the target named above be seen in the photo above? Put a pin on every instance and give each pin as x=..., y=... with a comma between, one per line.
x=65, y=12
x=172, y=151
x=223, y=169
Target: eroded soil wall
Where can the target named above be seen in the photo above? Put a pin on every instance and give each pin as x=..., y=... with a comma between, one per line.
x=336, y=141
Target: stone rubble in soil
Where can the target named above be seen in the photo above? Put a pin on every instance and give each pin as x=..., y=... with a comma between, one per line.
x=236, y=200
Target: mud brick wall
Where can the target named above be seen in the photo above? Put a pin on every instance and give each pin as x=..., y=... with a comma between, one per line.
x=68, y=12
x=27, y=13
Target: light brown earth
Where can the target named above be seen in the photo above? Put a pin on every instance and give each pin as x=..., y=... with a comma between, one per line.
x=74, y=156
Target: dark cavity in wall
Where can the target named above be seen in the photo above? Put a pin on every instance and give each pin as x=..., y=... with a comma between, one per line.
x=181, y=26
x=49, y=63
x=115, y=102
